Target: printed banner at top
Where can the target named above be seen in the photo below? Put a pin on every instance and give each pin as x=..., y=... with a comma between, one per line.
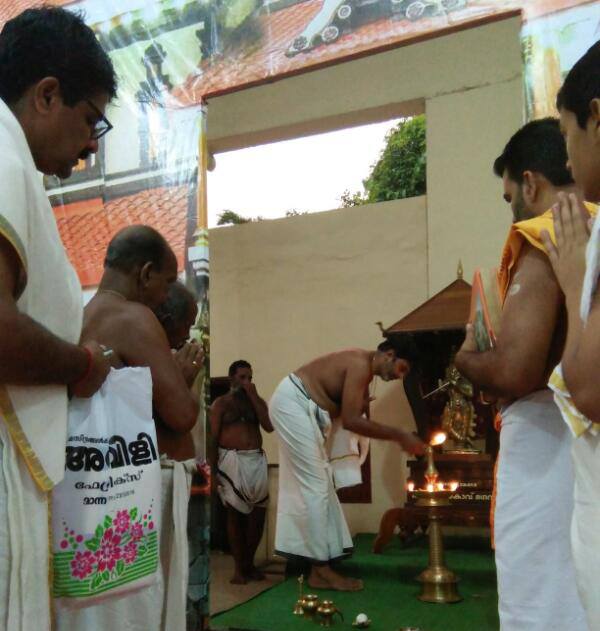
x=230, y=44
x=187, y=50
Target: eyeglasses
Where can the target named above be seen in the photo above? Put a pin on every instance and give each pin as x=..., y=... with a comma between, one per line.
x=102, y=125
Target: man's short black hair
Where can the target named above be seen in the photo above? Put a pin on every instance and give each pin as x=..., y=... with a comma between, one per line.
x=239, y=363
x=539, y=147
x=581, y=86
x=135, y=246
x=176, y=307
x=403, y=347
x=53, y=42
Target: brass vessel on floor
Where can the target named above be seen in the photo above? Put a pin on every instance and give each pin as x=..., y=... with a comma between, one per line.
x=310, y=604
x=326, y=610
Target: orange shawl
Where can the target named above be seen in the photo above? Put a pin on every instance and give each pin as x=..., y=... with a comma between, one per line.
x=520, y=232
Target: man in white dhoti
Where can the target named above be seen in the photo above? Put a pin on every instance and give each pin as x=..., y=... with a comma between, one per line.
x=534, y=483
x=575, y=382
x=236, y=419
x=177, y=315
x=55, y=82
x=310, y=522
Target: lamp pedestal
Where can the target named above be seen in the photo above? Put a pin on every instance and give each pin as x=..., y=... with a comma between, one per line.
x=438, y=583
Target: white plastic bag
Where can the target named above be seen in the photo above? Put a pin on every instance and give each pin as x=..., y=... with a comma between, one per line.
x=106, y=511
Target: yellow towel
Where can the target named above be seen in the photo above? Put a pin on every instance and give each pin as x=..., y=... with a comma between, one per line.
x=521, y=232
x=578, y=423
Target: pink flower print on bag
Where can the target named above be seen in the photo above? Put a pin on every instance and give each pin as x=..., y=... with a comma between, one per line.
x=109, y=552
x=82, y=564
x=121, y=521
x=130, y=552
x=136, y=532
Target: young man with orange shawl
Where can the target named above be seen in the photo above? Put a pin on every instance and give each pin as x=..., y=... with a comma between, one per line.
x=576, y=262
x=534, y=484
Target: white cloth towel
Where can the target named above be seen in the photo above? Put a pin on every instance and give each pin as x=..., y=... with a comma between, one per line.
x=24, y=545
x=592, y=270
x=347, y=452
x=174, y=552
x=585, y=532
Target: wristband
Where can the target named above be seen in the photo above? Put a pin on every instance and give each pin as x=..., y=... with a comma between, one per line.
x=88, y=368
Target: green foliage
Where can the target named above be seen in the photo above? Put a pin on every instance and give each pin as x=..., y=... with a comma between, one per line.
x=348, y=199
x=230, y=217
x=400, y=170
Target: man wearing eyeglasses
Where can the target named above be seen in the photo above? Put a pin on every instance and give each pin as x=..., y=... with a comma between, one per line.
x=55, y=81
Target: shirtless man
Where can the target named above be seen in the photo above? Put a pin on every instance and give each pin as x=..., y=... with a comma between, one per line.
x=178, y=314
x=310, y=522
x=534, y=484
x=236, y=419
x=138, y=269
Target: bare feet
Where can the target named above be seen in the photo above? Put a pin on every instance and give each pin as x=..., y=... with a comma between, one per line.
x=254, y=574
x=238, y=579
x=323, y=577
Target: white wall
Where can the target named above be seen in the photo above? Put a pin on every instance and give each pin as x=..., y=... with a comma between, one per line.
x=288, y=290
x=468, y=219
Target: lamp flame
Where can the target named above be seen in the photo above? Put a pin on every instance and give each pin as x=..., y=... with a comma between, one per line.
x=438, y=438
x=440, y=486
x=410, y=487
x=453, y=486
x=430, y=488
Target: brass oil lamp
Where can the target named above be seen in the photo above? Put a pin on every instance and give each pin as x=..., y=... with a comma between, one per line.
x=438, y=583
x=298, y=611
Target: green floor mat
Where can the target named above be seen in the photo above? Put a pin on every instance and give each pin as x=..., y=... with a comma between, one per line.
x=390, y=594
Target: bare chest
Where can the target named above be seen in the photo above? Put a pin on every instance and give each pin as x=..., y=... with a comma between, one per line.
x=238, y=410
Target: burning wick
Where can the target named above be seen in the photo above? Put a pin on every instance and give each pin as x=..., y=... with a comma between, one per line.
x=453, y=486
x=410, y=487
x=437, y=439
x=430, y=488
x=440, y=486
